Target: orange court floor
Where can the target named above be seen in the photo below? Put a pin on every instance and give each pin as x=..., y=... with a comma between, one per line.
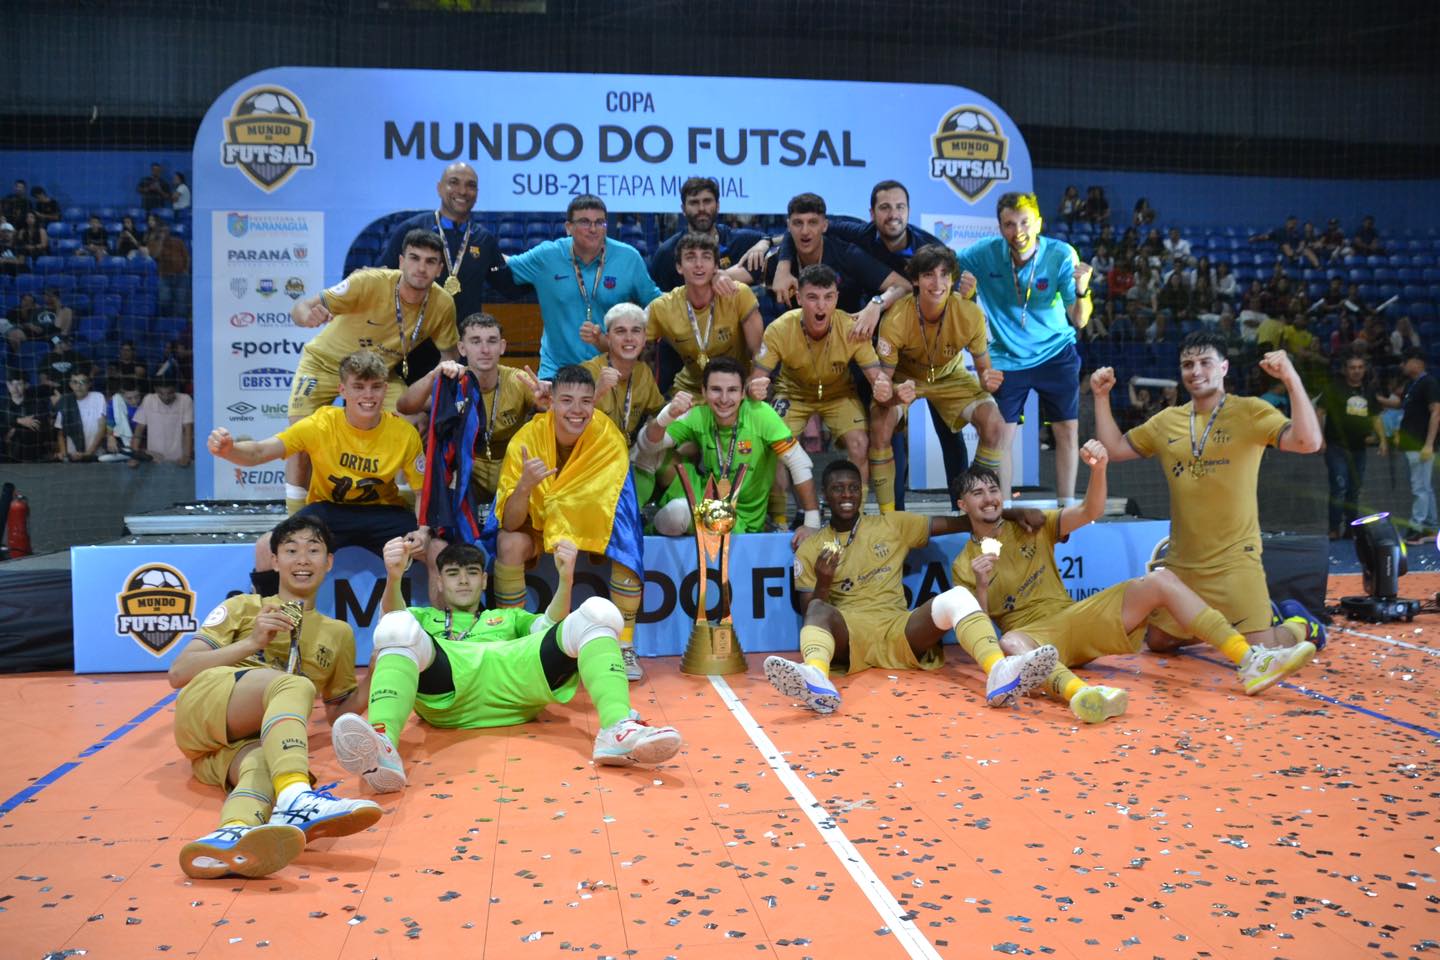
x=913, y=823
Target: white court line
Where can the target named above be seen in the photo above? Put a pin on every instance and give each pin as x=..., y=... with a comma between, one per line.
x=1398, y=643
x=906, y=933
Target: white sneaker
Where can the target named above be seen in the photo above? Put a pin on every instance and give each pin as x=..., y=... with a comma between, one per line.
x=633, y=741
x=245, y=851
x=322, y=814
x=801, y=681
x=1263, y=667
x=1096, y=704
x=1013, y=677
x=634, y=672
x=362, y=749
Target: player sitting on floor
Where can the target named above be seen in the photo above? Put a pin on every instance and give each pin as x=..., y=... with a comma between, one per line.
x=465, y=668
x=854, y=605
x=248, y=682
x=1015, y=578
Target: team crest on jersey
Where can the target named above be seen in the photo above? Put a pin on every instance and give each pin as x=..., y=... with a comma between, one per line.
x=969, y=152
x=268, y=137
x=156, y=606
x=744, y=447
x=609, y=283
x=1042, y=284
x=494, y=621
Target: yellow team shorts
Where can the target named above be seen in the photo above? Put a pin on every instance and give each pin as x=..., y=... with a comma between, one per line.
x=878, y=640
x=841, y=415
x=1094, y=627
x=317, y=384
x=1237, y=590
x=954, y=398
x=200, y=729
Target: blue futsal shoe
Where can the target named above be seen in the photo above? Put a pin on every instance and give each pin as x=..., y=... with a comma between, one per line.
x=1293, y=611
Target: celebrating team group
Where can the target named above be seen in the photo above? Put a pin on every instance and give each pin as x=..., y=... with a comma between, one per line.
x=515, y=464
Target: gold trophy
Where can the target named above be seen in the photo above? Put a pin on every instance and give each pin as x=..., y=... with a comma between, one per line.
x=713, y=649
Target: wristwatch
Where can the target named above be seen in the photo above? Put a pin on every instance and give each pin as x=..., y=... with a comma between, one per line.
x=878, y=300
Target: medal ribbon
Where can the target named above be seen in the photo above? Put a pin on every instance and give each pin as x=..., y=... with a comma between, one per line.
x=400, y=325
x=816, y=356
x=452, y=267
x=587, y=297
x=702, y=342
x=450, y=634
x=1197, y=449
x=930, y=348
x=848, y=540
x=1029, y=284
x=729, y=459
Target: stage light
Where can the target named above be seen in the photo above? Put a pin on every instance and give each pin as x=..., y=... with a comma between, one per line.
x=1381, y=553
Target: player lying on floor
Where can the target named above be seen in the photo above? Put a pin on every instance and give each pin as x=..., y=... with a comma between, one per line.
x=466, y=667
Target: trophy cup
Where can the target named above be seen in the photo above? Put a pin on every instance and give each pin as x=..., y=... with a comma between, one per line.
x=713, y=649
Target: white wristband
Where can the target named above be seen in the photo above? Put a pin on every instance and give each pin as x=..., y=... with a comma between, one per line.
x=812, y=519
x=666, y=416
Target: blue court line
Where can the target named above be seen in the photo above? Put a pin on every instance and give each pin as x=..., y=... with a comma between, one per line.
x=1323, y=698
x=29, y=792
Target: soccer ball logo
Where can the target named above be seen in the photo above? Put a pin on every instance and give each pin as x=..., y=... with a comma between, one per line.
x=969, y=152
x=268, y=136
x=968, y=121
x=157, y=607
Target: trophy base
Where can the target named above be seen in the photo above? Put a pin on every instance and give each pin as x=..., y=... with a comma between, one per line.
x=713, y=651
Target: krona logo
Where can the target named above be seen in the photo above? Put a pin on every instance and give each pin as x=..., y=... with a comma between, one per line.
x=268, y=137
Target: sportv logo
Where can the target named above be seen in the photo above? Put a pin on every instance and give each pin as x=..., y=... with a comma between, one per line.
x=157, y=607
x=266, y=348
x=267, y=378
x=267, y=137
x=969, y=152
x=265, y=318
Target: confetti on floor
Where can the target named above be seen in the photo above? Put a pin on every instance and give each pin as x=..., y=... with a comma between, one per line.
x=914, y=822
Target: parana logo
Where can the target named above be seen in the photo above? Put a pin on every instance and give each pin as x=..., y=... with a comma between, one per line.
x=157, y=607
x=268, y=137
x=970, y=152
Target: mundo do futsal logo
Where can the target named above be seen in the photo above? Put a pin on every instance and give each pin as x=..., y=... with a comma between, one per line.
x=267, y=137
x=157, y=607
x=969, y=152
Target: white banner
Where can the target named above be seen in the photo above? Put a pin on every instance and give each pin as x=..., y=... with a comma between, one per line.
x=262, y=261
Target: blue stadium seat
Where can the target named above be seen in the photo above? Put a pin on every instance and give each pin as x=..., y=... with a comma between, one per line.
x=132, y=328
x=29, y=283
x=1316, y=289
x=92, y=329
x=538, y=233
x=63, y=283
x=170, y=328
x=9, y=300
x=1385, y=275
x=125, y=283
x=139, y=304
x=1416, y=245
x=1398, y=260
x=58, y=230
x=65, y=246
x=80, y=264
x=106, y=213
x=48, y=264
x=165, y=214
x=1424, y=308
x=144, y=268
x=1422, y=261
x=1309, y=274
x=1366, y=291
x=79, y=302
x=7, y=282
x=95, y=284
x=1387, y=290
x=1435, y=292
x=180, y=230
x=74, y=215
x=138, y=214
x=1374, y=261
x=1413, y=291
x=512, y=245
x=1361, y=275
x=1407, y=275
x=510, y=230
x=108, y=305
x=1354, y=261
x=112, y=267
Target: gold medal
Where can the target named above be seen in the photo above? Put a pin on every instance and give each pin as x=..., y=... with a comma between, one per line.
x=820, y=392
x=452, y=284
x=932, y=374
x=1197, y=469
x=722, y=487
x=703, y=360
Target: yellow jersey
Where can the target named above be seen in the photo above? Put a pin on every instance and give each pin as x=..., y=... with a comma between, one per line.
x=934, y=351
x=720, y=331
x=872, y=565
x=507, y=406
x=1214, y=515
x=631, y=401
x=814, y=369
x=348, y=465
x=363, y=305
x=327, y=645
x=1026, y=585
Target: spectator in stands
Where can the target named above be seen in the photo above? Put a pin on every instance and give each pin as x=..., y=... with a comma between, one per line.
x=61, y=362
x=1365, y=243
x=1331, y=303
x=1287, y=239
x=1278, y=294
x=1379, y=339
x=1419, y=423
x=16, y=205
x=1333, y=244
x=1204, y=301
x=1071, y=206
x=95, y=240
x=173, y=261
x=1118, y=283
x=1141, y=297
x=1107, y=237
x=23, y=418
x=46, y=207
x=1097, y=208
x=28, y=317
x=1302, y=344
x=54, y=317
x=11, y=262
x=1102, y=262
x=129, y=242
x=1172, y=307
x=1235, y=345
x=1143, y=215
x=1147, y=401
x=1350, y=412
x=32, y=239
x=165, y=425
x=120, y=419
x=1342, y=338
x=179, y=193
x=176, y=364
x=12, y=334
x=1271, y=390
x=152, y=189
x=1404, y=337
x=1227, y=288
x=127, y=366
x=80, y=428
x=1153, y=248
x=1177, y=248
x=1357, y=304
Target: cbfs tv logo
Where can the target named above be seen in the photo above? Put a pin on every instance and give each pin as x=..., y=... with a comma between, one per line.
x=157, y=607
x=969, y=152
x=267, y=138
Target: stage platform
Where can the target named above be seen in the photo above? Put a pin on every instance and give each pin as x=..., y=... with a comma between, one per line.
x=914, y=823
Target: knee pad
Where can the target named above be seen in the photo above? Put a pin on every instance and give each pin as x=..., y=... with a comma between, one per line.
x=399, y=633
x=593, y=618
x=673, y=519
x=299, y=684
x=953, y=606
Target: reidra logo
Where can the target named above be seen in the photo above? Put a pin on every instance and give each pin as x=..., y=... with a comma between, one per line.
x=267, y=137
x=157, y=607
x=969, y=152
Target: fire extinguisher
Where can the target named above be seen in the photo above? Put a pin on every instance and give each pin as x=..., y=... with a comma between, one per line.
x=17, y=528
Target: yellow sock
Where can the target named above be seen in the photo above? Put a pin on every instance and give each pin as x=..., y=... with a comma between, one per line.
x=1211, y=626
x=882, y=477
x=284, y=736
x=817, y=647
x=1063, y=684
x=988, y=457
x=250, y=802
x=509, y=584
x=626, y=592
x=976, y=635
x=289, y=779
x=1296, y=628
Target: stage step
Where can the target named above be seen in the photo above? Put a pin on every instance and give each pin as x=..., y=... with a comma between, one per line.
x=209, y=516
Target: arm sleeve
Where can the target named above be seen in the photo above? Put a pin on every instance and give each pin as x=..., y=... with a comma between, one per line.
x=960, y=573
x=1143, y=438
x=887, y=342
x=497, y=274
x=805, y=564
x=526, y=267
x=850, y=229
x=684, y=428
x=914, y=528
x=414, y=462
x=221, y=628
x=523, y=622
x=1266, y=423
x=342, y=678
x=969, y=259
x=351, y=293
x=769, y=357
x=653, y=330
x=771, y=427
x=865, y=355
x=979, y=332
x=300, y=435
x=444, y=332
x=1067, y=272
